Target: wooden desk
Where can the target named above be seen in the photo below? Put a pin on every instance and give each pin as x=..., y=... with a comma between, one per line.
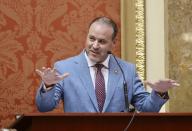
x=104, y=122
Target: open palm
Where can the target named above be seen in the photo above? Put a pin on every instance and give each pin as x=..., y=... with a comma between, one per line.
x=50, y=76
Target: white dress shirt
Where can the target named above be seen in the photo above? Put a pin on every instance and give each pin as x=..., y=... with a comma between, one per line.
x=104, y=70
x=93, y=70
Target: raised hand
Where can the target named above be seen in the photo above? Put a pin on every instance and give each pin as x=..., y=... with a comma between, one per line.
x=162, y=85
x=50, y=76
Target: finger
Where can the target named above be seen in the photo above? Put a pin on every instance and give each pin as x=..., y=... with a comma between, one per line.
x=39, y=72
x=175, y=84
x=47, y=70
x=43, y=68
x=166, y=81
x=172, y=81
x=63, y=76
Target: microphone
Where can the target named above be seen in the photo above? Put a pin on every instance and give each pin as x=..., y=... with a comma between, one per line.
x=128, y=107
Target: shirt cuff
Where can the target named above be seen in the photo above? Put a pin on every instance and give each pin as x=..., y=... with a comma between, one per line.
x=45, y=89
x=163, y=95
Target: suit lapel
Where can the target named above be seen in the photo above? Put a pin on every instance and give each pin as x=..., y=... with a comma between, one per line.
x=84, y=75
x=114, y=76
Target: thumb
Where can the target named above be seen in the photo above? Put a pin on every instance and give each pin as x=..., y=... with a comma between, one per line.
x=64, y=76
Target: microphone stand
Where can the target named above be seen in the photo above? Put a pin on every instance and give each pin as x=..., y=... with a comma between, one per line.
x=128, y=107
x=125, y=88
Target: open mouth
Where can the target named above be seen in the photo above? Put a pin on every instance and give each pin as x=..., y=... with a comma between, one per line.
x=94, y=53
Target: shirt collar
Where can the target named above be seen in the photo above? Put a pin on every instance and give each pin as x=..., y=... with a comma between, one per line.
x=91, y=63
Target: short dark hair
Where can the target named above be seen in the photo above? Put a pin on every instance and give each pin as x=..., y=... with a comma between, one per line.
x=107, y=21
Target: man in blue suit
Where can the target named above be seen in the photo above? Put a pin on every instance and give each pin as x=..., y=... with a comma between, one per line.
x=74, y=80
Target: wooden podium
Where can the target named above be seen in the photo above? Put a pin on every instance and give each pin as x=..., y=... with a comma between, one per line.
x=104, y=122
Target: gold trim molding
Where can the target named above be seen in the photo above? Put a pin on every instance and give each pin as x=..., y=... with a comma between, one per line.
x=140, y=39
x=133, y=47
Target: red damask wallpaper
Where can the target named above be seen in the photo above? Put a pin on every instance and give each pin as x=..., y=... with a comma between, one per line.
x=36, y=33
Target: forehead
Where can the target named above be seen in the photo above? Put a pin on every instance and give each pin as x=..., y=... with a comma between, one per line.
x=99, y=28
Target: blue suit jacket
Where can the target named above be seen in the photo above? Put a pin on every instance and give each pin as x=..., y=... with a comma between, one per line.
x=77, y=90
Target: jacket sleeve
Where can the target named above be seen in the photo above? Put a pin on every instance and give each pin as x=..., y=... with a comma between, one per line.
x=143, y=100
x=48, y=100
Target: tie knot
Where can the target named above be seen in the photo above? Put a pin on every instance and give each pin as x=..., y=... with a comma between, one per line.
x=99, y=66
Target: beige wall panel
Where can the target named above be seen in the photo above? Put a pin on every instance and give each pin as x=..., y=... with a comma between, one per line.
x=133, y=34
x=179, y=53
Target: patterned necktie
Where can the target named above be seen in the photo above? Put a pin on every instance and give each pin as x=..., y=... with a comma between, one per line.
x=100, y=86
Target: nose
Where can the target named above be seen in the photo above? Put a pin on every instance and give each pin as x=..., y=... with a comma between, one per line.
x=96, y=44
